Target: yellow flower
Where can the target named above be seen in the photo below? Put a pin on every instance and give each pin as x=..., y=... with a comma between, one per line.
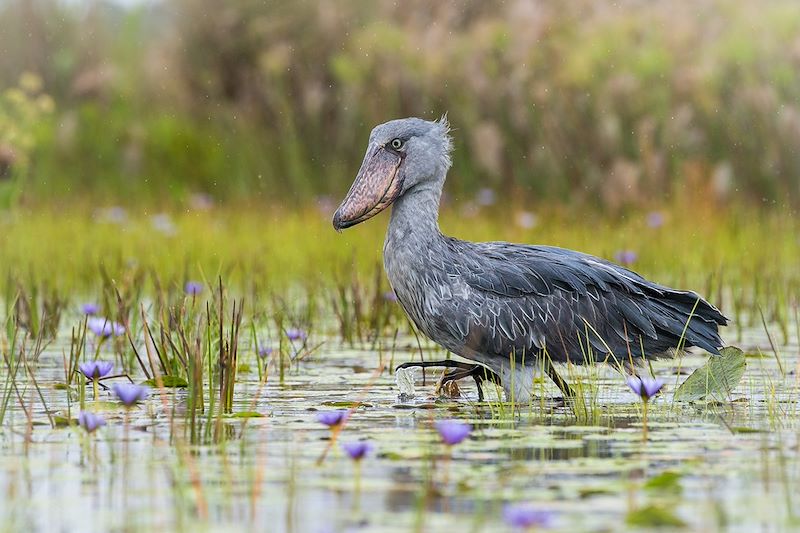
x=30, y=82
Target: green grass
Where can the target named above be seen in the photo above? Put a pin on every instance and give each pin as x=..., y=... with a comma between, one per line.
x=739, y=255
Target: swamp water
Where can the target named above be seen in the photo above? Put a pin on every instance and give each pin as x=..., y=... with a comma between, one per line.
x=729, y=466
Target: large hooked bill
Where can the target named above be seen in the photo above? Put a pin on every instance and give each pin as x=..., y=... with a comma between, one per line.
x=376, y=186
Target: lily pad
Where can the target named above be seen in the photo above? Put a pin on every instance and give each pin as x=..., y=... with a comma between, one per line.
x=653, y=516
x=716, y=379
x=346, y=404
x=246, y=414
x=168, y=382
x=102, y=405
x=745, y=429
x=665, y=482
x=63, y=421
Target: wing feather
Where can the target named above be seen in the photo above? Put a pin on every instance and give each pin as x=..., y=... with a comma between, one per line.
x=530, y=298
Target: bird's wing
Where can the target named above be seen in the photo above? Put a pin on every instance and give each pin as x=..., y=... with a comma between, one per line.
x=526, y=298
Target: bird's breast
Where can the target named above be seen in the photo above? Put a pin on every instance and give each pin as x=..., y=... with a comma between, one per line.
x=417, y=284
x=436, y=301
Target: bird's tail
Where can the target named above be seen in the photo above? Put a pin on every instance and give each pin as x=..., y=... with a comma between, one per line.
x=691, y=319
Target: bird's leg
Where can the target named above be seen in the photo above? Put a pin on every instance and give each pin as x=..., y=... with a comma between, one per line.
x=477, y=372
x=566, y=390
x=629, y=368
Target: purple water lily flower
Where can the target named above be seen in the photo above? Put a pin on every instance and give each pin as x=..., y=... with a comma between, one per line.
x=357, y=450
x=130, y=394
x=104, y=328
x=96, y=369
x=90, y=309
x=201, y=201
x=452, y=431
x=90, y=421
x=264, y=351
x=526, y=219
x=295, y=334
x=163, y=224
x=645, y=388
x=655, y=219
x=389, y=296
x=486, y=197
x=626, y=257
x=114, y=215
x=332, y=418
x=526, y=516
x=193, y=288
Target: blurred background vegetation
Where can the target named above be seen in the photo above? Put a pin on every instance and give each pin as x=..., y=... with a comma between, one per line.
x=604, y=105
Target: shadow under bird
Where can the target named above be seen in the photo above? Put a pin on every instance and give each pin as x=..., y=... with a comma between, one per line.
x=509, y=308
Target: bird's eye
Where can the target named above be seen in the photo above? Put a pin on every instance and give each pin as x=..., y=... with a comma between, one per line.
x=397, y=143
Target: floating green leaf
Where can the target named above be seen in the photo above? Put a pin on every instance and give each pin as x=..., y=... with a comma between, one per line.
x=653, y=516
x=744, y=429
x=716, y=379
x=168, y=382
x=63, y=421
x=589, y=493
x=346, y=404
x=246, y=414
x=665, y=482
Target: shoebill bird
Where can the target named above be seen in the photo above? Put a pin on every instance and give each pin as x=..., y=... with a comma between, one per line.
x=507, y=308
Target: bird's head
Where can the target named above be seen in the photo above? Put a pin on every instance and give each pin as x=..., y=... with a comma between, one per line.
x=401, y=155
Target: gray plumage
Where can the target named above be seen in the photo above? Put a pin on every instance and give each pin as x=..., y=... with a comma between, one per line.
x=490, y=301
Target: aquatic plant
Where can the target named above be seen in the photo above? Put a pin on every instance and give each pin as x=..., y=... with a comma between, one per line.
x=332, y=418
x=390, y=296
x=90, y=309
x=295, y=334
x=163, y=224
x=452, y=432
x=264, y=351
x=655, y=219
x=625, y=257
x=526, y=517
x=228, y=353
x=94, y=370
x=104, y=328
x=645, y=388
x=193, y=288
x=90, y=421
x=357, y=450
x=129, y=394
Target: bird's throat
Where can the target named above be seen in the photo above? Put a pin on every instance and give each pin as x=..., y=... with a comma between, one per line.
x=415, y=217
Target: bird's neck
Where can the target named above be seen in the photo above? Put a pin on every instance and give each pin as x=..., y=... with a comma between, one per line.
x=415, y=215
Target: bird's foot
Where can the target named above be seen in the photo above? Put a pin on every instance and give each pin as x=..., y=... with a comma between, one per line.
x=558, y=401
x=566, y=390
x=478, y=372
x=462, y=370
